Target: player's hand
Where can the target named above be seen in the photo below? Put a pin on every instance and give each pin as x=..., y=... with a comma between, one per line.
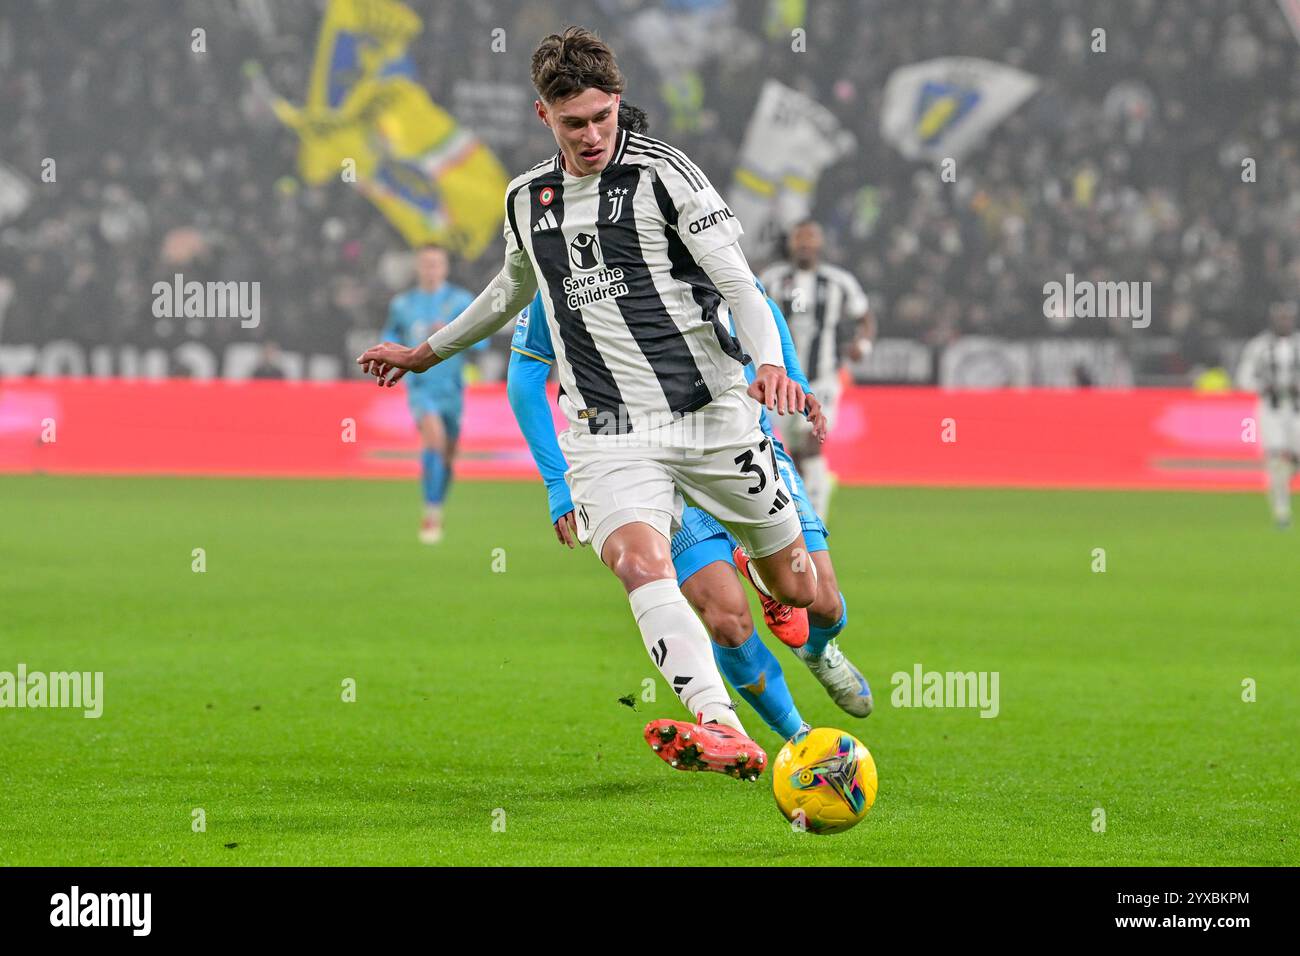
x=859, y=349
x=776, y=391
x=816, y=417
x=566, y=530
x=389, y=361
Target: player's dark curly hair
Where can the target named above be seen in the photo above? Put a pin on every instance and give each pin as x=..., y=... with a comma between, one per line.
x=565, y=64
x=632, y=118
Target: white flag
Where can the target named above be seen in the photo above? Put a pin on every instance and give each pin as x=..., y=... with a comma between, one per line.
x=942, y=108
x=790, y=141
x=15, y=194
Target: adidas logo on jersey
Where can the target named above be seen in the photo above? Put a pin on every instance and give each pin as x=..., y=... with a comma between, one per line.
x=546, y=222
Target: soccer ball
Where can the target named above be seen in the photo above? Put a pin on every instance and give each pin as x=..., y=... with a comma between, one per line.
x=825, y=781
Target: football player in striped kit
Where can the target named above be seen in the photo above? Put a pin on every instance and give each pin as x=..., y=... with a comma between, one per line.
x=633, y=251
x=1270, y=366
x=829, y=318
x=702, y=551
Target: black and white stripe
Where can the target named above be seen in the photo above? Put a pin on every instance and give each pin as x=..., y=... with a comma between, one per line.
x=641, y=145
x=633, y=317
x=510, y=214
x=685, y=269
x=821, y=295
x=643, y=309
x=594, y=388
x=1271, y=367
x=620, y=146
x=815, y=303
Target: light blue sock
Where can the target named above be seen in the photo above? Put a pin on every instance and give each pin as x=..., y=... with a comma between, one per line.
x=446, y=479
x=433, y=476
x=756, y=673
x=819, y=637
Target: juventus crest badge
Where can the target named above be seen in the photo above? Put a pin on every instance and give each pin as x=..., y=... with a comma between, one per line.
x=615, y=196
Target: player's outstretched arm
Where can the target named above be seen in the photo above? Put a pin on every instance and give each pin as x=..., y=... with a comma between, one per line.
x=727, y=269
x=505, y=296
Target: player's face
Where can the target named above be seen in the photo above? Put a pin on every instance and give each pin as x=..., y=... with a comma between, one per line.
x=431, y=268
x=585, y=127
x=806, y=244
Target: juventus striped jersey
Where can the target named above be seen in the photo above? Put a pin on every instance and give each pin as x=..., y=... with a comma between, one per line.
x=1270, y=365
x=632, y=314
x=815, y=301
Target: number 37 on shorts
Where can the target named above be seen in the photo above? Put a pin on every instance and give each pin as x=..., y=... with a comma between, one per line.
x=745, y=460
x=739, y=484
x=743, y=488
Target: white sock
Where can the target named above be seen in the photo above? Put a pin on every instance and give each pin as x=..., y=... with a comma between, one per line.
x=817, y=482
x=679, y=646
x=1279, y=486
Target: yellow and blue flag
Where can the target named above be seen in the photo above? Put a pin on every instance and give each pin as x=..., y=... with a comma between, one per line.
x=368, y=121
x=943, y=108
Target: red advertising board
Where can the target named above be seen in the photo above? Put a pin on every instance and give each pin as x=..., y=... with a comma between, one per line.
x=1147, y=438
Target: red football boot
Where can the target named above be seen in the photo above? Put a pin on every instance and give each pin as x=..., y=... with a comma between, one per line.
x=715, y=747
x=789, y=624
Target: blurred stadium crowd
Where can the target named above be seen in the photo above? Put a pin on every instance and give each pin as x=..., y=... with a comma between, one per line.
x=1126, y=165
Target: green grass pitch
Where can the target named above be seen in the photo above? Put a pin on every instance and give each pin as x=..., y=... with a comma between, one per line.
x=479, y=689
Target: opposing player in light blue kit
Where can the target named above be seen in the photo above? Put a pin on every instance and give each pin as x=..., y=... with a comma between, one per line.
x=436, y=398
x=823, y=620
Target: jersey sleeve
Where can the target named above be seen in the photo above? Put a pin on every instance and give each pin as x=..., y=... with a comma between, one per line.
x=462, y=299
x=509, y=291
x=693, y=207
x=855, y=300
x=730, y=273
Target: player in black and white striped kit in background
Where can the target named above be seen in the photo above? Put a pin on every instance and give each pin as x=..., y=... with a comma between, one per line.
x=1270, y=366
x=633, y=252
x=829, y=322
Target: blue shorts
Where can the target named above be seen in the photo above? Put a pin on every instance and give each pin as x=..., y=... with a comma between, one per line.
x=700, y=542
x=450, y=406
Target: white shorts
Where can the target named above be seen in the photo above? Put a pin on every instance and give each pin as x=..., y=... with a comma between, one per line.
x=1279, y=430
x=718, y=459
x=797, y=434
